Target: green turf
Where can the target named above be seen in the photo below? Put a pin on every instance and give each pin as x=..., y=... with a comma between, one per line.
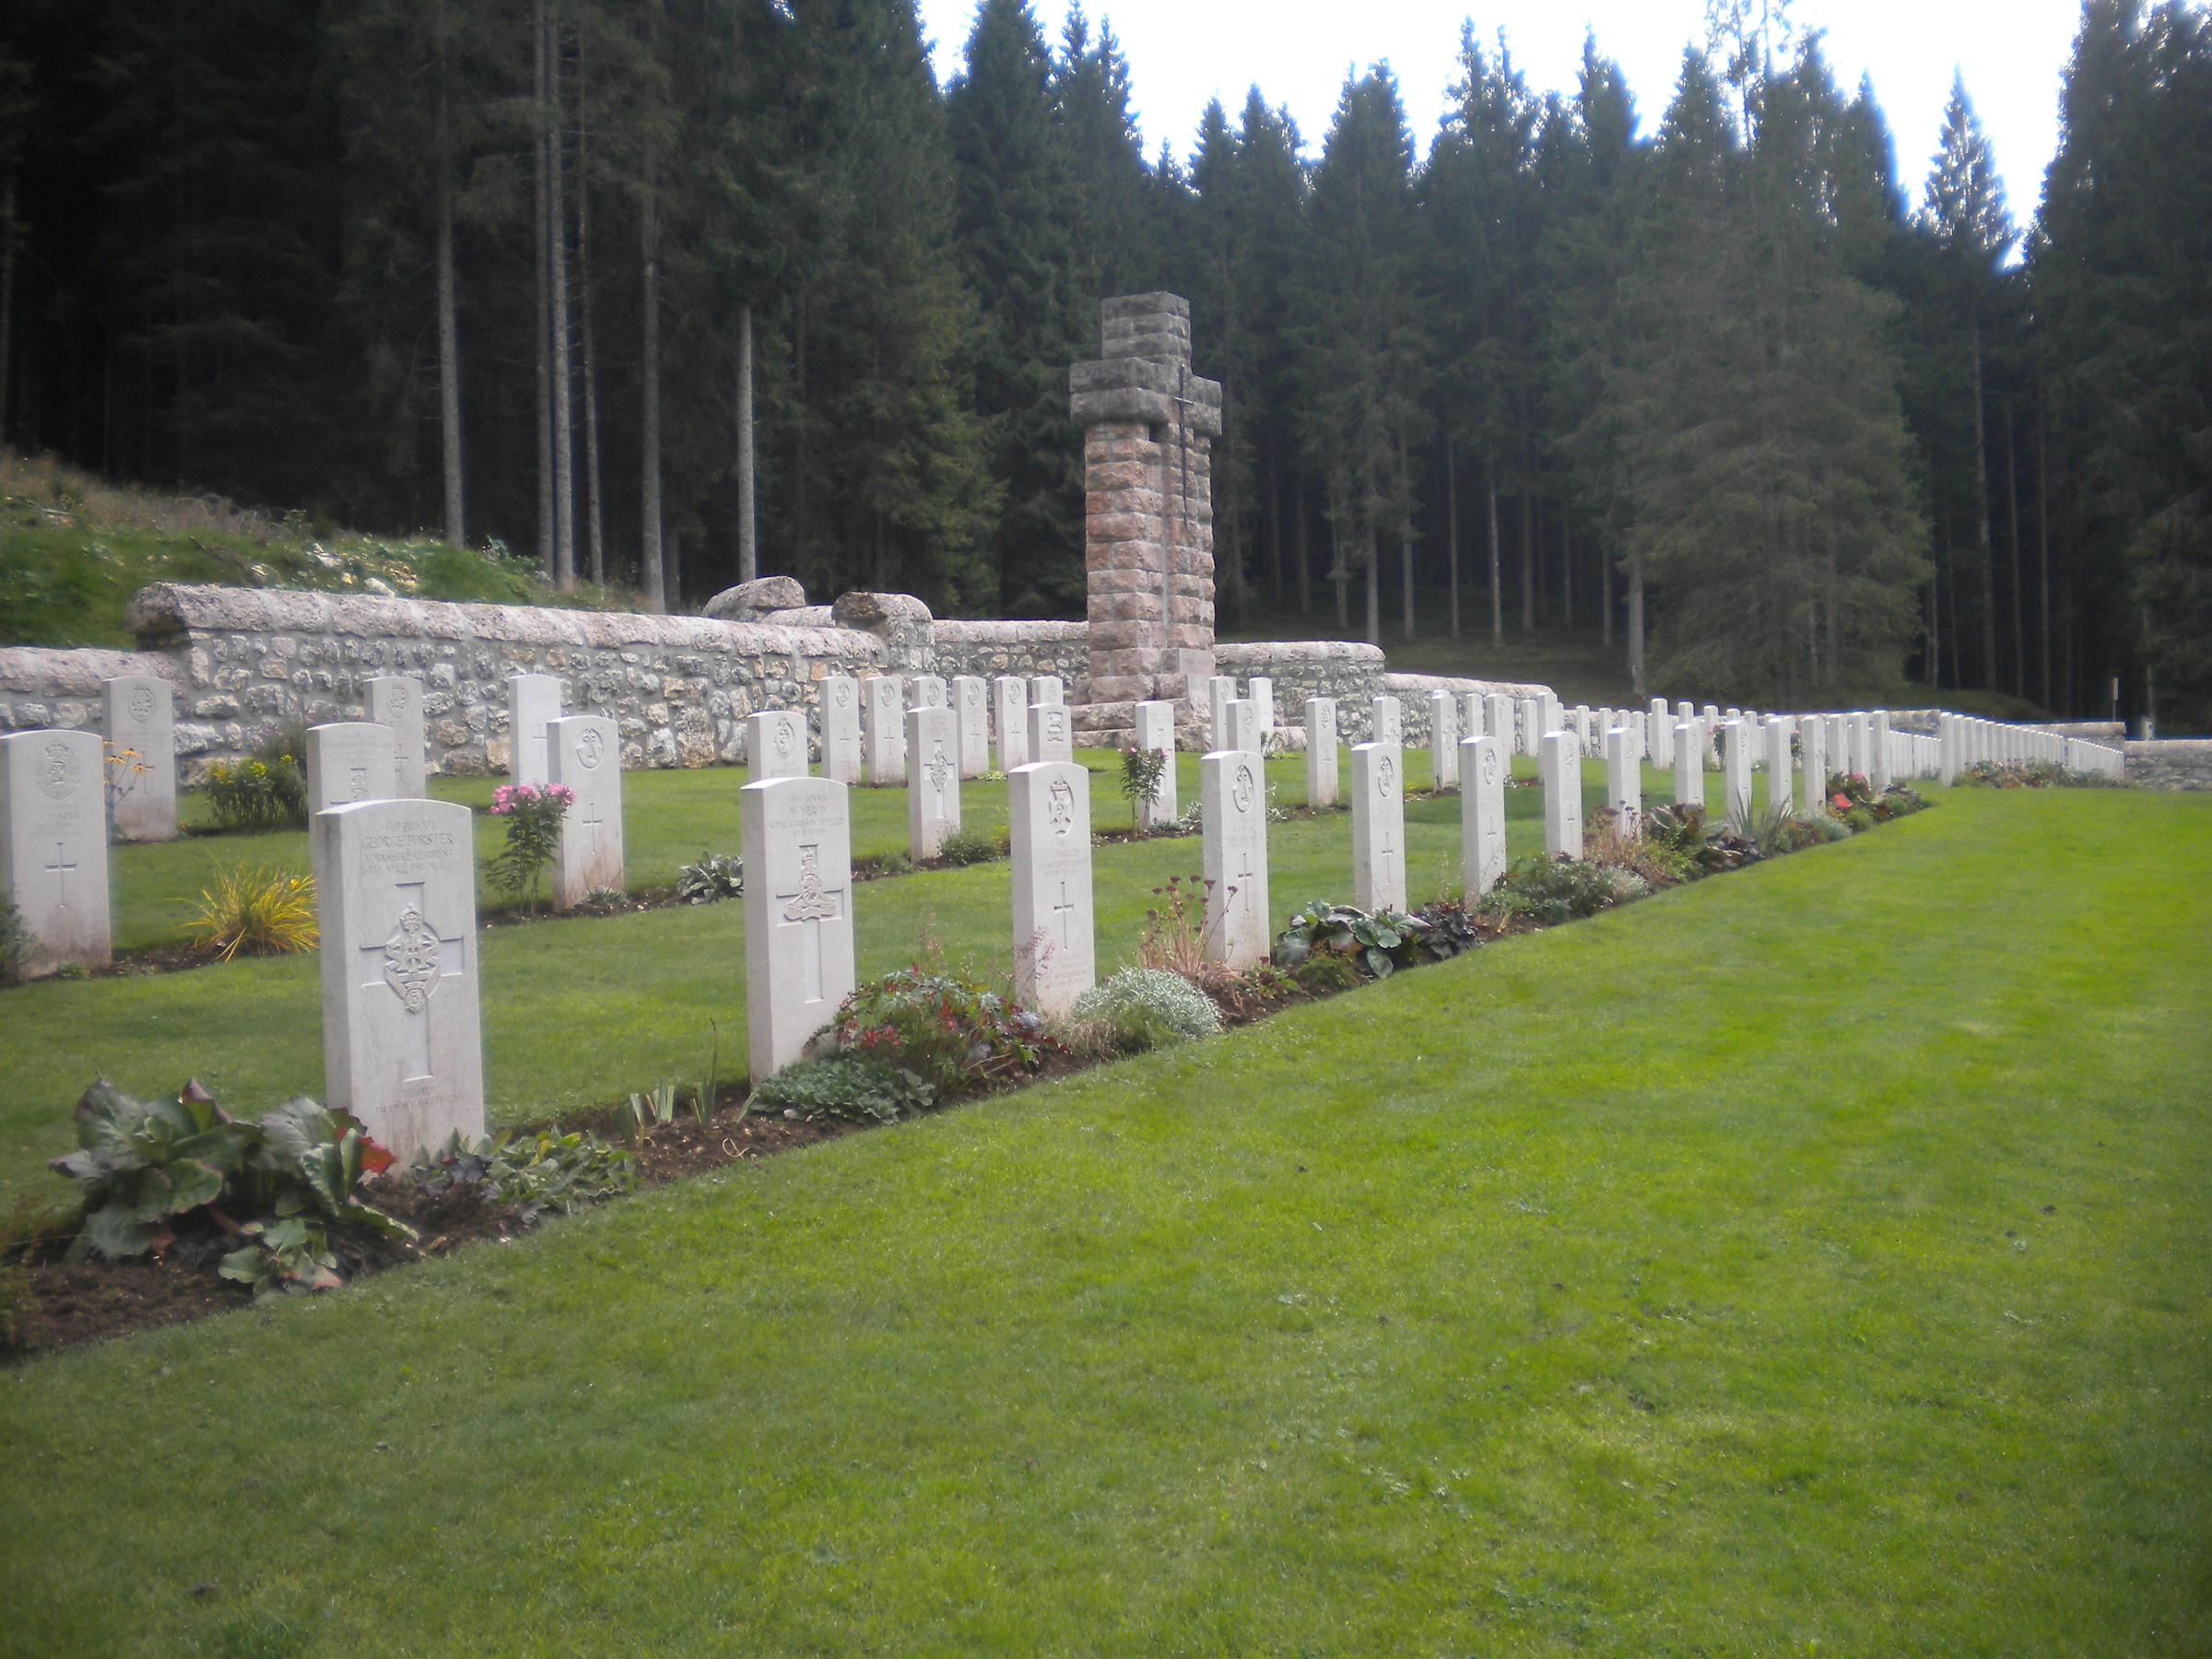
x=628, y=997
x=1809, y=1261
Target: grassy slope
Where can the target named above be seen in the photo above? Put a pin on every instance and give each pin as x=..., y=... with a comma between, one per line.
x=1680, y=1281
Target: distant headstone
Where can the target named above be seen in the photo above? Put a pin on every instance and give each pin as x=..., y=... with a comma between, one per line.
x=1444, y=741
x=1245, y=726
x=933, y=779
x=1232, y=785
x=396, y=701
x=1775, y=735
x=1378, y=826
x=1812, y=783
x=1483, y=766
x=403, y=1045
x=1047, y=688
x=776, y=744
x=1498, y=722
x=1155, y=730
x=142, y=748
x=1260, y=691
x=1547, y=712
x=1470, y=715
x=1561, y=768
x=1689, y=764
x=883, y=731
x=1709, y=717
x=1530, y=716
x=972, y=713
x=1051, y=733
x=348, y=761
x=53, y=846
x=1879, y=766
x=1321, y=752
x=928, y=692
x=1684, y=710
x=1624, y=783
x=532, y=700
x=1385, y=720
x=1220, y=691
x=586, y=753
x=841, y=728
x=1048, y=808
x=1010, y=719
x=1735, y=768
x=798, y=914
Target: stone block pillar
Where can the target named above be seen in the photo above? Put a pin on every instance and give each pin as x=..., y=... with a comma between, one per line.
x=1149, y=425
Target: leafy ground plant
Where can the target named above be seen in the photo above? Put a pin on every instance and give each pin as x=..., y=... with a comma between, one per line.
x=254, y=913
x=1141, y=1008
x=1379, y=942
x=538, y=1173
x=861, y=1088
x=533, y=812
x=969, y=847
x=258, y=794
x=1551, y=891
x=716, y=876
x=953, y=1034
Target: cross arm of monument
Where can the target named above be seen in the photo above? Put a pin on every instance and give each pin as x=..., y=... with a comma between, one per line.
x=1137, y=389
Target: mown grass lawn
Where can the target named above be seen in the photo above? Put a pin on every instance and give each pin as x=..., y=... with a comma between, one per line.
x=579, y=1012
x=1810, y=1260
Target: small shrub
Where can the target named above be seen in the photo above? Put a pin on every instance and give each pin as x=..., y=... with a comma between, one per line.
x=1326, y=973
x=1549, y=890
x=1173, y=935
x=1142, y=772
x=857, y=1087
x=604, y=898
x=716, y=876
x=968, y=847
x=14, y=942
x=254, y=912
x=952, y=1034
x=256, y=794
x=535, y=1172
x=533, y=813
x=1141, y=1008
x=1449, y=928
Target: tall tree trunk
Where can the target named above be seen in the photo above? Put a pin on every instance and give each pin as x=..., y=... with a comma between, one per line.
x=1372, y=555
x=1497, y=582
x=1274, y=530
x=1636, y=623
x=7, y=302
x=1986, y=560
x=1405, y=537
x=449, y=332
x=564, y=401
x=1528, y=560
x=748, y=542
x=1605, y=600
x=1451, y=529
x=544, y=354
x=1305, y=558
x=594, y=476
x=2012, y=543
x=654, y=577
x=2042, y=554
x=1566, y=572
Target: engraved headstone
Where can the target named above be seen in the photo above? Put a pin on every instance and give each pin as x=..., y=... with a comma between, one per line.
x=1735, y=769
x=1260, y=691
x=883, y=731
x=1482, y=771
x=1529, y=716
x=1220, y=691
x=1689, y=764
x=532, y=700
x=53, y=846
x=1656, y=709
x=1775, y=735
x=142, y=753
x=776, y=744
x=1879, y=765
x=1624, y=783
x=798, y=914
x=1321, y=752
x=933, y=779
x=347, y=761
x=1232, y=785
x=1709, y=717
x=1470, y=715
x=1245, y=726
x=1386, y=721
x=928, y=692
x=396, y=701
x=1378, y=826
x=1444, y=741
x=1051, y=732
x=403, y=1046
x=1048, y=817
x=586, y=752
x=1812, y=759
x=1561, y=768
x=1047, y=688
x=1010, y=721
x=971, y=713
x=1498, y=722
x=841, y=728
x=1155, y=730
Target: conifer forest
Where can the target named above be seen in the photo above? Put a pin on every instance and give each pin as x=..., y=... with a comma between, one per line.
x=1709, y=368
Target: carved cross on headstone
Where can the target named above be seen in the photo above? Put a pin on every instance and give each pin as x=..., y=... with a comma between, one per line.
x=410, y=963
x=59, y=869
x=807, y=908
x=1064, y=911
x=593, y=823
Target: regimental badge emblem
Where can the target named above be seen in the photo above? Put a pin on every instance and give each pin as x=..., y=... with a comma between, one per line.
x=780, y=739
x=939, y=769
x=1060, y=806
x=591, y=744
x=1386, y=776
x=411, y=960
x=142, y=703
x=1489, y=764
x=810, y=903
x=1243, y=789
x=396, y=699
x=57, y=769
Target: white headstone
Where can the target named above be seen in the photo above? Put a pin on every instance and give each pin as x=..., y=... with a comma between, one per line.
x=1238, y=922
x=1051, y=732
x=798, y=914
x=972, y=713
x=1878, y=766
x=933, y=779
x=1547, y=712
x=841, y=728
x=532, y=700
x=1220, y=691
x=1470, y=715
x=883, y=731
x=1530, y=715
x=142, y=751
x=1812, y=783
x=1010, y=719
x=1245, y=726
x=1320, y=751
x=1562, y=767
x=1155, y=730
x=1048, y=815
x=1482, y=772
x=1260, y=690
x=1378, y=826
x=347, y=761
x=1624, y=783
x=928, y=692
x=403, y=1045
x=1775, y=733
x=776, y=744
x=1684, y=710
x=1735, y=769
x=1689, y=764
x=586, y=753
x=53, y=846
x=1444, y=741
x=1047, y=688
x=1498, y=722
x=1709, y=718
x=396, y=701
x=1385, y=720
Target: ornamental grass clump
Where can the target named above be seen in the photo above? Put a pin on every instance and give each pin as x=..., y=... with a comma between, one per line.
x=254, y=912
x=533, y=812
x=1137, y=1009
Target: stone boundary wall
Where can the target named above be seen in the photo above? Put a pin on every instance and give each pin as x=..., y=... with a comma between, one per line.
x=41, y=688
x=248, y=660
x=2170, y=763
x=989, y=649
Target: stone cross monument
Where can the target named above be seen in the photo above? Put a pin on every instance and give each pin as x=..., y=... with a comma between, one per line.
x=1147, y=424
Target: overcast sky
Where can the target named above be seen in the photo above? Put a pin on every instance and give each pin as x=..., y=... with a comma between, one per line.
x=1183, y=51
